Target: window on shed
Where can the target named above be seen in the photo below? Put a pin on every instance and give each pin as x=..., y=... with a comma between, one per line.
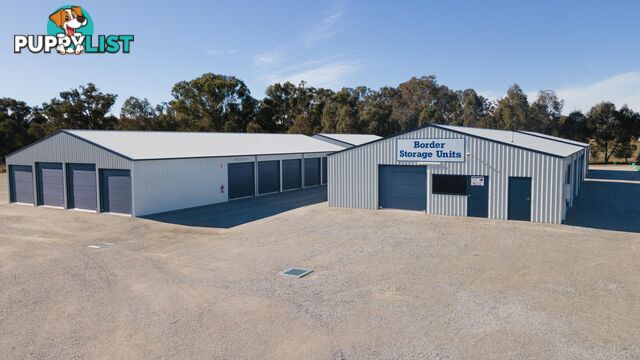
x=449, y=184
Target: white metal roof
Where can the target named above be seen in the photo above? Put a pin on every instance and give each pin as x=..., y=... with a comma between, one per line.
x=578, y=143
x=520, y=139
x=138, y=145
x=353, y=139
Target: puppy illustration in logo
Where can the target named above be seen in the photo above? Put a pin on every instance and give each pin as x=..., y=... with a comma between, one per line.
x=69, y=20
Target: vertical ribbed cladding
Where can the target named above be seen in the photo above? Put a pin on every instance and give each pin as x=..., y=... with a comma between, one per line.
x=354, y=175
x=65, y=148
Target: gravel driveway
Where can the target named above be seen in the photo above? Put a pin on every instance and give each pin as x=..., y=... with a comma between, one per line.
x=386, y=284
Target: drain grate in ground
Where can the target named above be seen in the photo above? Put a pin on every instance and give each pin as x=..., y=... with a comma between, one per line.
x=295, y=272
x=101, y=245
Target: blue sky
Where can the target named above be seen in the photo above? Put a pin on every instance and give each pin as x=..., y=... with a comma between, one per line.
x=585, y=50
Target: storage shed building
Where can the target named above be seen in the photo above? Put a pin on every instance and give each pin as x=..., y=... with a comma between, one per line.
x=142, y=173
x=461, y=171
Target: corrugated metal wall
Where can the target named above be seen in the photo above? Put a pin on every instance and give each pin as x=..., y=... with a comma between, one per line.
x=353, y=176
x=64, y=148
x=165, y=185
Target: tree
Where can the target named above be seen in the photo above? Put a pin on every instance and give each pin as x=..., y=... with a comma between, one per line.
x=83, y=108
x=212, y=102
x=545, y=113
x=137, y=114
x=625, y=151
x=341, y=114
x=574, y=126
x=14, y=122
x=611, y=129
x=376, y=113
x=422, y=101
x=512, y=111
x=475, y=109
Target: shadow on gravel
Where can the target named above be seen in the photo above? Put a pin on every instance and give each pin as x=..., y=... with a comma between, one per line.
x=242, y=211
x=609, y=200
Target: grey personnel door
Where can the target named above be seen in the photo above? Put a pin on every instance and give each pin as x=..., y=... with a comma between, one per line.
x=50, y=183
x=268, y=176
x=115, y=191
x=241, y=180
x=312, y=172
x=291, y=174
x=402, y=187
x=21, y=184
x=478, y=196
x=519, y=198
x=81, y=186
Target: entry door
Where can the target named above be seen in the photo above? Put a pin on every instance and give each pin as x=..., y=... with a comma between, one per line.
x=241, y=180
x=519, y=198
x=50, y=184
x=115, y=191
x=478, y=196
x=403, y=187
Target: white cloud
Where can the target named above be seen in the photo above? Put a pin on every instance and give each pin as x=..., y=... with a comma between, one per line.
x=222, y=52
x=325, y=29
x=328, y=75
x=621, y=89
x=268, y=58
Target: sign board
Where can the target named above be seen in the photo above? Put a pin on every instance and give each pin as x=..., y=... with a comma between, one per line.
x=436, y=150
x=477, y=181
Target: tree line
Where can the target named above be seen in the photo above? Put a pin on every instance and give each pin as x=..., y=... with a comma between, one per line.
x=224, y=103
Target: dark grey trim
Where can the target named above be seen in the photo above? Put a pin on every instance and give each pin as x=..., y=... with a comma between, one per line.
x=457, y=132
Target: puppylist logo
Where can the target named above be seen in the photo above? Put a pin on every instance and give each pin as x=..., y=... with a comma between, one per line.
x=70, y=31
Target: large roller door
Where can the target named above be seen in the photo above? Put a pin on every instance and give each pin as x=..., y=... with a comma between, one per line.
x=241, y=180
x=21, y=184
x=50, y=182
x=403, y=187
x=115, y=191
x=291, y=174
x=81, y=180
x=324, y=170
x=312, y=172
x=268, y=176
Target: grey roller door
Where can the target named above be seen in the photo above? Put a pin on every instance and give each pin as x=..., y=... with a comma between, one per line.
x=115, y=191
x=324, y=170
x=403, y=187
x=81, y=180
x=241, y=180
x=268, y=176
x=50, y=184
x=21, y=184
x=291, y=174
x=312, y=172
